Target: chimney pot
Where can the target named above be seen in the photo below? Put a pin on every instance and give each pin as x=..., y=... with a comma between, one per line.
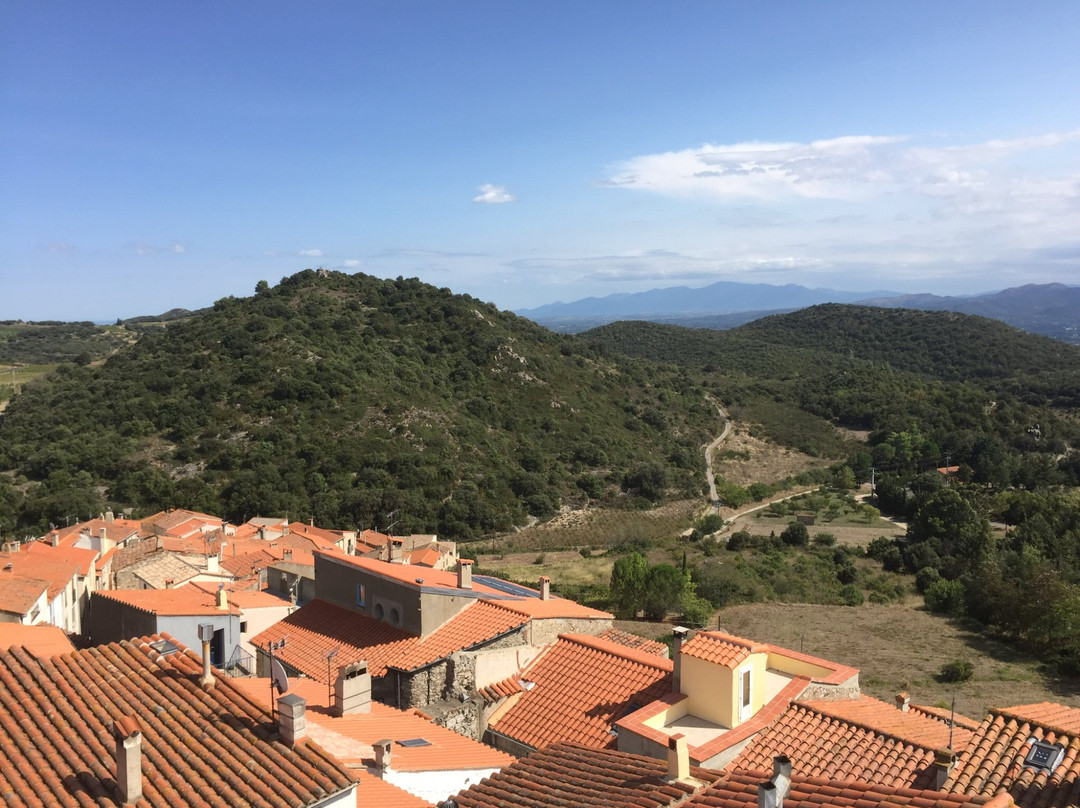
x=767, y=796
x=903, y=702
x=464, y=575
x=382, y=754
x=678, y=758
x=169, y=583
x=54, y=538
x=286, y=555
x=128, y=734
x=292, y=720
x=781, y=778
x=352, y=690
x=545, y=588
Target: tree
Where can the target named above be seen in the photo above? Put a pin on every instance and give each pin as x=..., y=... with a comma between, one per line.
x=796, y=535
x=871, y=513
x=664, y=587
x=628, y=584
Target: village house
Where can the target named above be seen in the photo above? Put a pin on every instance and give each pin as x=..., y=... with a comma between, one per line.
x=43, y=582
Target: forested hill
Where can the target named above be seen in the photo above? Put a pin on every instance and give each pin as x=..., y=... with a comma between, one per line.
x=345, y=399
x=930, y=386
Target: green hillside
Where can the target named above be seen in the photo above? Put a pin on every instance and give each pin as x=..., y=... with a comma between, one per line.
x=347, y=399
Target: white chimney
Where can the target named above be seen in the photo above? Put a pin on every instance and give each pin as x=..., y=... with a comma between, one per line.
x=128, y=734
x=292, y=718
x=944, y=761
x=222, y=598
x=382, y=754
x=464, y=574
x=545, y=588
x=54, y=538
x=352, y=690
x=903, y=702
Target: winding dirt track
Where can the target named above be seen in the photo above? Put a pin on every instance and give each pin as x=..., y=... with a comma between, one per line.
x=709, y=474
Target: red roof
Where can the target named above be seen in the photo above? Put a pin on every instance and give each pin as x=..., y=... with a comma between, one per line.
x=634, y=641
x=994, y=761
x=580, y=687
x=200, y=746
x=18, y=595
x=41, y=641
x=319, y=627
x=857, y=739
x=721, y=648
x=181, y=601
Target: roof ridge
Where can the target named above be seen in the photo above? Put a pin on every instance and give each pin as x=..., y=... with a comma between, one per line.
x=620, y=650
x=1005, y=712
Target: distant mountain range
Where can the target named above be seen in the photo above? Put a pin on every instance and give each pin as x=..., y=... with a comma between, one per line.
x=1051, y=309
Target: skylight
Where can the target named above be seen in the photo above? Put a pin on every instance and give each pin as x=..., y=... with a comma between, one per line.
x=1043, y=755
x=415, y=742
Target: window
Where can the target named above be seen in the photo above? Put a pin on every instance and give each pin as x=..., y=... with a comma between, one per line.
x=360, y=595
x=379, y=612
x=395, y=617
x=746, y=688
x=1043, y=755
x=243, y=627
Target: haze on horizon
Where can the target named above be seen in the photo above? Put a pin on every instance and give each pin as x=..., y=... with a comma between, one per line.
x=156, y=157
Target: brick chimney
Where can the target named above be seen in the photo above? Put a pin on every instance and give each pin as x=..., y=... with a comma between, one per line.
x=128, y=735
x=464, y=574
x=352, y=690
x=545, y=588
x=944, y=761
x=903, y=702
x=382, y=754
x=680, y=634
x=292, y=718
x=678, y=758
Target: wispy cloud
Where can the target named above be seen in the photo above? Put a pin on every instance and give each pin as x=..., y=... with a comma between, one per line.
x=141, y=248
x=58, y=247
x=493, y=195
x=351, y=263
x=312, y=253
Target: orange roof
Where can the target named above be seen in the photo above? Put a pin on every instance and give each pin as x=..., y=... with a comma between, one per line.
x=634, y=641
x=427, y=557
x=823, y=741
x=376, y=791
x=242, y=598
x=18, y=594
x=40, y=560
x=200, y=746
x=721, y=648
x=515, y=597
x=994, y=760
x=183, y=600
x=565, y=775
x=41, y=641
x=319, y=627
x=580, y=687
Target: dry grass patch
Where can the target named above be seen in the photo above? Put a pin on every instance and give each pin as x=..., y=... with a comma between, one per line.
x=901, y=648
x=743, y=459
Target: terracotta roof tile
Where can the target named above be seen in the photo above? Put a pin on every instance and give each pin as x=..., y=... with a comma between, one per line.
x=199, y=746
x=566, y=775
x=319, y=627
x=721, y=648
x=580, y=688
x=994, y=761
x=634, y=641
x=931, y=732
x=19, y=594
x=183, y=600
x=41, y=641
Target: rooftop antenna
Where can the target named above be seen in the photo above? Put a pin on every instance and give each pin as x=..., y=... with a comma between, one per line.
x=329, y=682
x=952, y=719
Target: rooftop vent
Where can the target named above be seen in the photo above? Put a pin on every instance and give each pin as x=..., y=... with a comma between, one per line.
x=164, y=647
x=1043, y=755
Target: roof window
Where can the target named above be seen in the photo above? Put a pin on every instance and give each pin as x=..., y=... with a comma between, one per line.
x=415, y=742
x=1043, y=755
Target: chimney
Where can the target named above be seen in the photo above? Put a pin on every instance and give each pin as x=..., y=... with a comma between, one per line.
x=54, y=538
x=286, y=554
x=678, y=758
x=206, y=634
x=128, y=735
x=781, y=776
x=170, y=583
x=545, y=588
x=464, y=574
x=768, y=795
x=109, y=516
x=394, y=548
x=352, y=691
x=944, y=761
x=222, y=598
x=292, y=720
x=680, y=633
x=213, y=563
x=382, y=754
x=903, y=702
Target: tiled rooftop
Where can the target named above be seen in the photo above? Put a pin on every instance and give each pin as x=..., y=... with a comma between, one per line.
x=41, y=641
x=567, y=775
x=199, y=746
x=994, y=759
x=822, y=743
x=183, y=600
x=41, y=561
x=319, y=627
x=721, y=648
x=18, y=594
x=886, y=718
x=634, y=641
x=582, y=686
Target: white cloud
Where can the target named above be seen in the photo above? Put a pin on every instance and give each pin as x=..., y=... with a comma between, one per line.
x=493, y=195
x=351, y=263
x=313, y=253
x=179, y=248
x=58, y=247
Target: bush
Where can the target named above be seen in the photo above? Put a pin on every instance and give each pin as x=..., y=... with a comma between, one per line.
x=824, y=540
x=878, y=547
x=945, y=597
x=851, y=595
x=697, y=611
x=739, y=540
x=796, y=535
x=959, y=670
x=925, y=578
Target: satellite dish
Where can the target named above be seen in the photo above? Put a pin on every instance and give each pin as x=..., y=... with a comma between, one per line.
x=278, y=678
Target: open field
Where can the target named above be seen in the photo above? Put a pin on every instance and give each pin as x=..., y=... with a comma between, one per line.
x=897, y=648
x=743, y=459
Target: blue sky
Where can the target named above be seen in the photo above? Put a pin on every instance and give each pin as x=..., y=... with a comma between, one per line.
x=161, y=155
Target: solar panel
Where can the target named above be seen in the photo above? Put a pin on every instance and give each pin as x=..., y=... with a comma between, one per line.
x=506, y=587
